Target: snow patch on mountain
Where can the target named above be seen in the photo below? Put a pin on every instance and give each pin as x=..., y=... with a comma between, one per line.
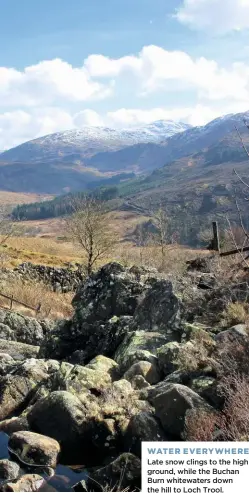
x=153, y=132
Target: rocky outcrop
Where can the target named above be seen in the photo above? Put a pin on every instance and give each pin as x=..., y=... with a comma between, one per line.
x=159, y=311
x=131, y=365
x=19, y=382
x=16, y=327
x=113, y=302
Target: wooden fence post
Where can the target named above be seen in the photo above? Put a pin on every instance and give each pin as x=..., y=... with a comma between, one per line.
x=216, y=239
x=38, y=309
x=11, y=302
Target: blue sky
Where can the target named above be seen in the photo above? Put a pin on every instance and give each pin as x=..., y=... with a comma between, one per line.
x=119, y=63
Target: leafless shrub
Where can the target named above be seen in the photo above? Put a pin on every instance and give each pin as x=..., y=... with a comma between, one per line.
x=201, y=425
x=235, y=389
x=8, y=228
x=89, y=228
x=235, y=313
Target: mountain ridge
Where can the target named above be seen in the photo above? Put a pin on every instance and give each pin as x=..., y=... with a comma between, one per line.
x=63, y=162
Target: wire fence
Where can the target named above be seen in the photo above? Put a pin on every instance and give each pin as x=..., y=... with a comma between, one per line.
x=14, y=300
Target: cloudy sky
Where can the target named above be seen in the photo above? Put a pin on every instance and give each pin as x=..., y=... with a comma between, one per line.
x=119, y=63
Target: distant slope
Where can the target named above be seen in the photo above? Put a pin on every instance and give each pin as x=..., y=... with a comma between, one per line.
x=81, y=145
x=194, y=189
x=77, y=160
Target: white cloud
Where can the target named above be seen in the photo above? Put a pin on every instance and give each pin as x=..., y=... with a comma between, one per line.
x=43, y=98
x=20, y=126
x=48, y=82
x=220, y=16
x=156, y=69
x=196, y=115
x=88, y=117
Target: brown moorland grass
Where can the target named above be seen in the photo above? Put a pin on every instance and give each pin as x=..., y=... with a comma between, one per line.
x=15, y=198
x=47, y=251
x=53, y=305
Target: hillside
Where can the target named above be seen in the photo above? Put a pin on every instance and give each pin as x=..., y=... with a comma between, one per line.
x=194, y=190
x=76, y=160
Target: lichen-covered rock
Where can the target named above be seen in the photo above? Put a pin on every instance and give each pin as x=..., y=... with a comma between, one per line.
x=9, y=471
x=19, y=384
x=167, y=357
x=21, y=329
x=113, y=302
x=94, y=377
x=148, y=370
x=138, y=346
x=99, y=419
x=81, y=344
x=102, y=364
x=138, y=382
x=113, y=290
x=207, y=281
x=18, y=350
x=34, y=449
x=208, y=388
x=5, y=361
x=103, y=306
x=143, y=427
x=14, y=424
x=28, y=482
x=160, y=310
x=139, y=355
x=6, y=332
x=197, y=332
x=239, y=334
x=171, y=403
x=186, y=357
x=62, y=416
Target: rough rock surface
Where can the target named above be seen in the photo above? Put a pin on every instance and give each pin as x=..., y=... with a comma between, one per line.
x=9, y=471
x=123, y=472
x=104, y=306
x=160, y=311
x=18, y=350
x=61, y=280
x=34, y=449
x=139, y=354
x=19, y=383
x=61, y=415
x=22, y=329
x=138, y=346
x=28, y=482
x=171, y=403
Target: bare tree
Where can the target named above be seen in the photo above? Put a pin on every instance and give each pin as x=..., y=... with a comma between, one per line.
x=141, y=238
x=88, y=227
x=161, y=222
x=8, y=228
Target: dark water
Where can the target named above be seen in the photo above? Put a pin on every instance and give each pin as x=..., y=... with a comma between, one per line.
x=64, y=477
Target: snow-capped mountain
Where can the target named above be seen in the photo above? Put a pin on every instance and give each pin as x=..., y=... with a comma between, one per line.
x=87, y=141
x=76, y=159
x=159, y=130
